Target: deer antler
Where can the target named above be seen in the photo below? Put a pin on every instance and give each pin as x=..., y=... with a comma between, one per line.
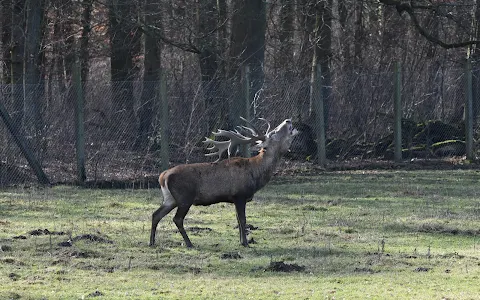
x=242, y=135
x=255, y=130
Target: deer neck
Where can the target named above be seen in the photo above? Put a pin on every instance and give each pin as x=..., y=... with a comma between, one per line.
x=263, y=166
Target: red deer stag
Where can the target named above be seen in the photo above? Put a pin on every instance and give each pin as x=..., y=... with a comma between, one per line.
x=234, y=180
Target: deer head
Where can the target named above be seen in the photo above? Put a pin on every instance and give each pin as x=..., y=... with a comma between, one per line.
x=279, y=139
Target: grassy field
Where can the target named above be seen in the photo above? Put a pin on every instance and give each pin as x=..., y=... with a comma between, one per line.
x=337, y=235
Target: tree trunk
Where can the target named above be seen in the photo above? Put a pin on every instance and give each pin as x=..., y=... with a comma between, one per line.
x=248, y=41
x=63, y=57
x=207, y=17
x=6, y=25
x=222, y=38
x=322, y=52
x=256, y=45
x=17, y=51
x=124, y=46
x=285, y=38
x=306, y=20
x=33, y=86
x=476, y=69
x=87, y=7
x=357, y=100
x=342, y=20
x=435, y=76
x=151, y=70
x=222, y=61
x=359, y=33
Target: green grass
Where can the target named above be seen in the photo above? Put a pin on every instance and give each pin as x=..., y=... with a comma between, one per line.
x=358, y=235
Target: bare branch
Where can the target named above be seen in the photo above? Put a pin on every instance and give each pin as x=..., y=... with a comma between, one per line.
x=410, y=6
x=156, y=32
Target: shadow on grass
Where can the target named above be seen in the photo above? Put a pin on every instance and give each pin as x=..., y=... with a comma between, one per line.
x=303, y=252
x=432, y=228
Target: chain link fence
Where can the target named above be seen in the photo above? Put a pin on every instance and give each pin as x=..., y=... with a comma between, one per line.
x=122, y=121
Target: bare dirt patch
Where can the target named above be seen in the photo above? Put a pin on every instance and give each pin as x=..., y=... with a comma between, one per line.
x=78, y=253
x=422, y=269
x=198, y=230
x=38, y=232
x=5, y=248
x=14, y=276
x=231, y=255
x=12, y=261
x=97, y=293
x=178, y=268
x=92, y=238
x=365, y=270
x=85, y=237
x=280, y=266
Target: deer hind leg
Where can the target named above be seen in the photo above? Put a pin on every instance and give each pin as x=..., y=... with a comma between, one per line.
x=178, y=220
x=169, y=203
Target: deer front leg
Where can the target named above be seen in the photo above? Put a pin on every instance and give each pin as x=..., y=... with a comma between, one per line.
x=242, y=222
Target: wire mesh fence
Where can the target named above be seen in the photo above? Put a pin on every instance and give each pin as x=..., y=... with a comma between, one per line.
x=122, y=120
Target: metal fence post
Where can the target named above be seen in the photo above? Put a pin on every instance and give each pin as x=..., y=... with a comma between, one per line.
x=398, y=114
x=244, y=106
x=164, y=121
x=318, y=107
x=469, y=111
x=79, y=121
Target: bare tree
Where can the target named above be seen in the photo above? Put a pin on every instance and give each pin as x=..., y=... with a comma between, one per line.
x=208, y=22
x=32, y=78
x=87, y=7
x=359, y=33
x=285, y=49
x=151, y=69
x=475, y=50
x=124, y=48
x=222, y=37
x=6, y=27
x=418, y=12
x=322, y=50
x=306, y=11
x=17, y=48
x=247, y=47
x=63, y=50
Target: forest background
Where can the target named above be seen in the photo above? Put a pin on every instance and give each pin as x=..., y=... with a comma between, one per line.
x=125, y=67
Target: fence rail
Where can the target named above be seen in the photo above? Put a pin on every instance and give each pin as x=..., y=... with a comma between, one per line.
x=136, y=129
